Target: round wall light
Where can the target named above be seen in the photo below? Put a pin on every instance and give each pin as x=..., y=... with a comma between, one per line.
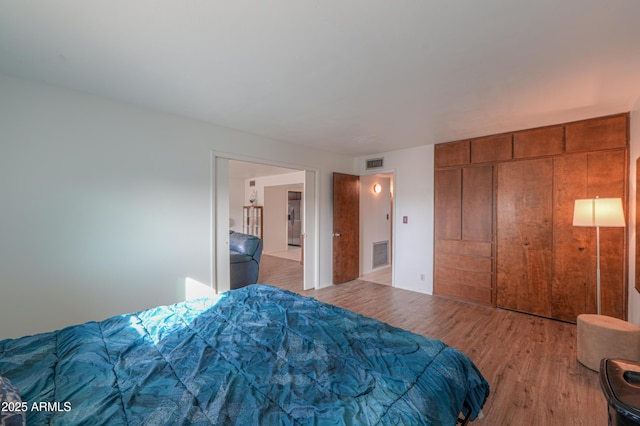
x=377, y=188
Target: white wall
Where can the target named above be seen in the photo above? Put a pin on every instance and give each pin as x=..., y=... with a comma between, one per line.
x=275, y=209
x=236, y=203
x=413, y=197
x=106, y=207
x=634, y=297
x=375, y=218
x=294, y=179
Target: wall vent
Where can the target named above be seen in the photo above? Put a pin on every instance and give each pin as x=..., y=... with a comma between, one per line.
x=375, y=163
x=252, y=183
x=380, y=254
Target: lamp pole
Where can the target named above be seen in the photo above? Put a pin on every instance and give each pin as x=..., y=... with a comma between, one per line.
x=598, y=267
x=595, y=219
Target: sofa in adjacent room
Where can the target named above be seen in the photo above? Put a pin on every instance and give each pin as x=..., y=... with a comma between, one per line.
x=245, y=251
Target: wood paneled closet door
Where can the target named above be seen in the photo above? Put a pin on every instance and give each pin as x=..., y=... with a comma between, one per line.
x=587, y=175
x=572, y=252
x=524, y=238
x=545, y=265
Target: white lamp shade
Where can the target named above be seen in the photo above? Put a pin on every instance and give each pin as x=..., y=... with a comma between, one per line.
x=605, y=212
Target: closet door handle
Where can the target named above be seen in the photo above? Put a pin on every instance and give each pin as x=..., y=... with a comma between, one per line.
x=581, y=248
x=526, y=243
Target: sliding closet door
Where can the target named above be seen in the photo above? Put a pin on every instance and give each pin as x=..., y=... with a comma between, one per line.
x=607, y=173
x=587, y=175
x=573, y=250
x=545, y=265
x=524, y=267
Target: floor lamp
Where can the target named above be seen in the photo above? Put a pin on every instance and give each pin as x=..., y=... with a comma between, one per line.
x=597, y=212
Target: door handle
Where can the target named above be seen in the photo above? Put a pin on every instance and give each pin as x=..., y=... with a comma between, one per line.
x=335, y=234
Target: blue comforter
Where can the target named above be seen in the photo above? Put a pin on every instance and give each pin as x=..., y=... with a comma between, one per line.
x=258, y=356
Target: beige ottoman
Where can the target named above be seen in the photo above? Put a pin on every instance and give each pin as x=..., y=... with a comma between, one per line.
x=600, y=336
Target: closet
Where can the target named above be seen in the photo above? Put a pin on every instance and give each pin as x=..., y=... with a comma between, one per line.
x=503, y=219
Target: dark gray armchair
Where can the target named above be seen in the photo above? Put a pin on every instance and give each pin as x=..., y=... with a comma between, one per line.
x=245, y=252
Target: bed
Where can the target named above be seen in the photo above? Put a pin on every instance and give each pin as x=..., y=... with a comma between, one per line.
x=258, y=355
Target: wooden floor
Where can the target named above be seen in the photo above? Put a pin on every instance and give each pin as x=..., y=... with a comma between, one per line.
x=529, y=362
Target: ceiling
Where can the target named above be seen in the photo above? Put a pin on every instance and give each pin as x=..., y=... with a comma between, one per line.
x=356, y=77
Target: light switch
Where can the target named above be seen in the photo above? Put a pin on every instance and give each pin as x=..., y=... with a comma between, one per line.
x=405, y=219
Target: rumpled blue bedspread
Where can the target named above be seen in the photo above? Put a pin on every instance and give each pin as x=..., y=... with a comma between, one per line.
x=258, y=356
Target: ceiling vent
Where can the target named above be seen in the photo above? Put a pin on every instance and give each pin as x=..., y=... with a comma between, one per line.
x=375, y=163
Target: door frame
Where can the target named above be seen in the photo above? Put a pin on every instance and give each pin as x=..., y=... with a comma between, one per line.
x=220, y=270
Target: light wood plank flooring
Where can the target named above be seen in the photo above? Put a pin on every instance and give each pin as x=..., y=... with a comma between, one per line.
x=381, y=276
x=529, y=362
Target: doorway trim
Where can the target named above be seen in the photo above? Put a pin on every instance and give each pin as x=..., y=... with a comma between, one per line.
x=220, y=219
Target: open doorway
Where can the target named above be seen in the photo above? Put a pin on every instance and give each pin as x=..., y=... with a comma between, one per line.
x=285, y=230
x=287, y=201
x=267, y=188
x=376, y=230
x=363, y=209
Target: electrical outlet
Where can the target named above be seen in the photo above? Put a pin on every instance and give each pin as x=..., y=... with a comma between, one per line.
x=421, y=277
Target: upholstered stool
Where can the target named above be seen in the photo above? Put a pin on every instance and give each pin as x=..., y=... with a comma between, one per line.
x=600, y=336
